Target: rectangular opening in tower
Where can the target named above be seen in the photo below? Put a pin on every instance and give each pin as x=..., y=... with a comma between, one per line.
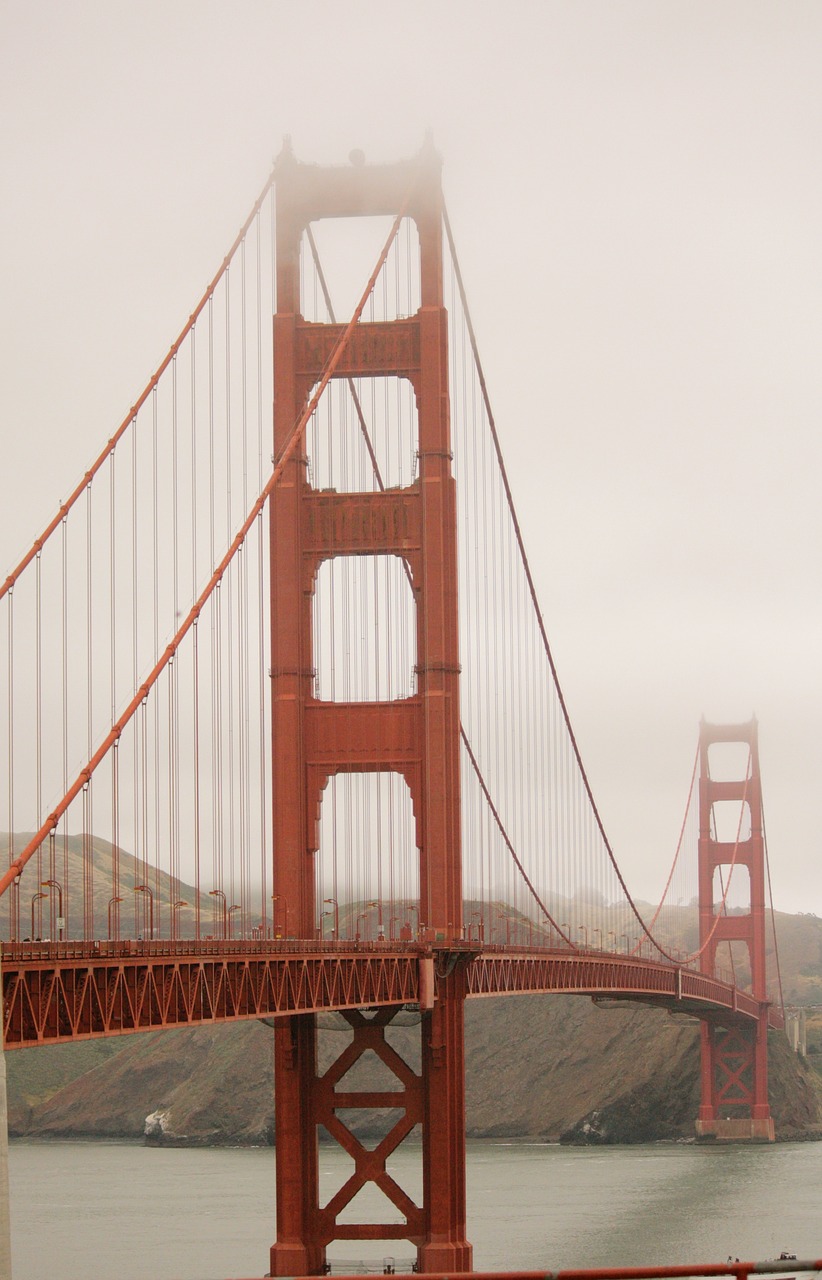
x=729, y=761
x=337, y=258
x=732, y=886
x=730, y=821
x=364, y=629
x=364, y=436
x=367, y=863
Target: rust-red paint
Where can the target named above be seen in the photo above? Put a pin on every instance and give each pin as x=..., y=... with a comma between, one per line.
x=418, y=736
x=61, y=991
x=734, y=1074
x=73, y=991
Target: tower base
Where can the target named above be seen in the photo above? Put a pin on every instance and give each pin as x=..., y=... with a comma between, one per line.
x=747, y=1130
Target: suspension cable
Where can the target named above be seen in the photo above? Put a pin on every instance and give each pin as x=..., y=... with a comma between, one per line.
x=679, y=842
x=366, y=435
x=141, y=694
x=131, y=416
x=773, y=915
x=532, y=590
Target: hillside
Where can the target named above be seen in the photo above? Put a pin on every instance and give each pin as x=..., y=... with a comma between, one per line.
x=546, y=1067
x=73, y=865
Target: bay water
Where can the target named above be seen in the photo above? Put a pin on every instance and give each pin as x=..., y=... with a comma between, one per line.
x=95, y=1211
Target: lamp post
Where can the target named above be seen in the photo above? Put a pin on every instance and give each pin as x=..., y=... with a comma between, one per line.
x=175, y=907
x=235, y=907
x=218, y=893
x=566, y=928
x=323, y=914
x=35, y=898
x=611, y=934
x=55, y=884
x=366, y=915
x=583, y=928
x=111, y=902
x=627, y=943
x=501, y=915
x=334, y=903
x=144, y=888
x=280, y=897
x=599, y=931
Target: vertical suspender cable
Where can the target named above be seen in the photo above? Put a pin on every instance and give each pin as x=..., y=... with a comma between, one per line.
x=261, y=656
x=114, y=915
x=88, y=848
x=64, y=682
x=115, y=784
x=196, y=694
x=152, y=874
x=38, y=694
x=15, y=924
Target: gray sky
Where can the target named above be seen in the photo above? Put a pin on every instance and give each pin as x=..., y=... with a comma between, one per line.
x=636, y=194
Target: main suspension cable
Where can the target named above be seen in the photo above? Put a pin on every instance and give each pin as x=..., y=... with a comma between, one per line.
x=84, y=777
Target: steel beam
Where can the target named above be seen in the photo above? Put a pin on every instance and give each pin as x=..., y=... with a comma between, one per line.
x=61, y=991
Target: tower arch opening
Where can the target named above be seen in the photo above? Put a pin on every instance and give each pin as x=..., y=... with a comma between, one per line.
x=364, y=630
x=367, y=860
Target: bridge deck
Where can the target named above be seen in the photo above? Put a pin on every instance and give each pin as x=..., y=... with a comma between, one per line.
x=61, y=991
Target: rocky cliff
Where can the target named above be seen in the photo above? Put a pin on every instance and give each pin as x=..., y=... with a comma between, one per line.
x=543, y=1066
x=551, y=1067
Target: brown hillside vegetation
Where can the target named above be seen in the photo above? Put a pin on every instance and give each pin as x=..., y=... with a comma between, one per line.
x=545, y=1067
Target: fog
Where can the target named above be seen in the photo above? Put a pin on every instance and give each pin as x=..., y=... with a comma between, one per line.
x=636, y=198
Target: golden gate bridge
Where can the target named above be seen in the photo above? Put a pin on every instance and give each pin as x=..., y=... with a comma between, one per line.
x=283, y=733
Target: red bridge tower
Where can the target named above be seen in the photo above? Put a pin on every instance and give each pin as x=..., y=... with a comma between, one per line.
x=734, y=1058
x=417, y=736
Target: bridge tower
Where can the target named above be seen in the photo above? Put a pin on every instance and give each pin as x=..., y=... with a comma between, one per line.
x=734, y=1058
x=417, y=736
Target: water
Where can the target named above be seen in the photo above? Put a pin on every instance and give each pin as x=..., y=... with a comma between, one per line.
x=95, y=1211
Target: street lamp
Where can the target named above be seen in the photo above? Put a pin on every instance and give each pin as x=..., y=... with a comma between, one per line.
x=611, y=934
x=366, y=915
x=144, y=888
x=599, y=931
x=583, y=928
x=235, y=907
x=175, y=907
x=333, y=903
x=111, y=903
x=566, y=929
x=218, y=893
x=55, y=884
x=502, y=916
x=35, y=897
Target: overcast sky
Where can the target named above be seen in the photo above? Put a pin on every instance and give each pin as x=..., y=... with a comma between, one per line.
x=636, y=194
